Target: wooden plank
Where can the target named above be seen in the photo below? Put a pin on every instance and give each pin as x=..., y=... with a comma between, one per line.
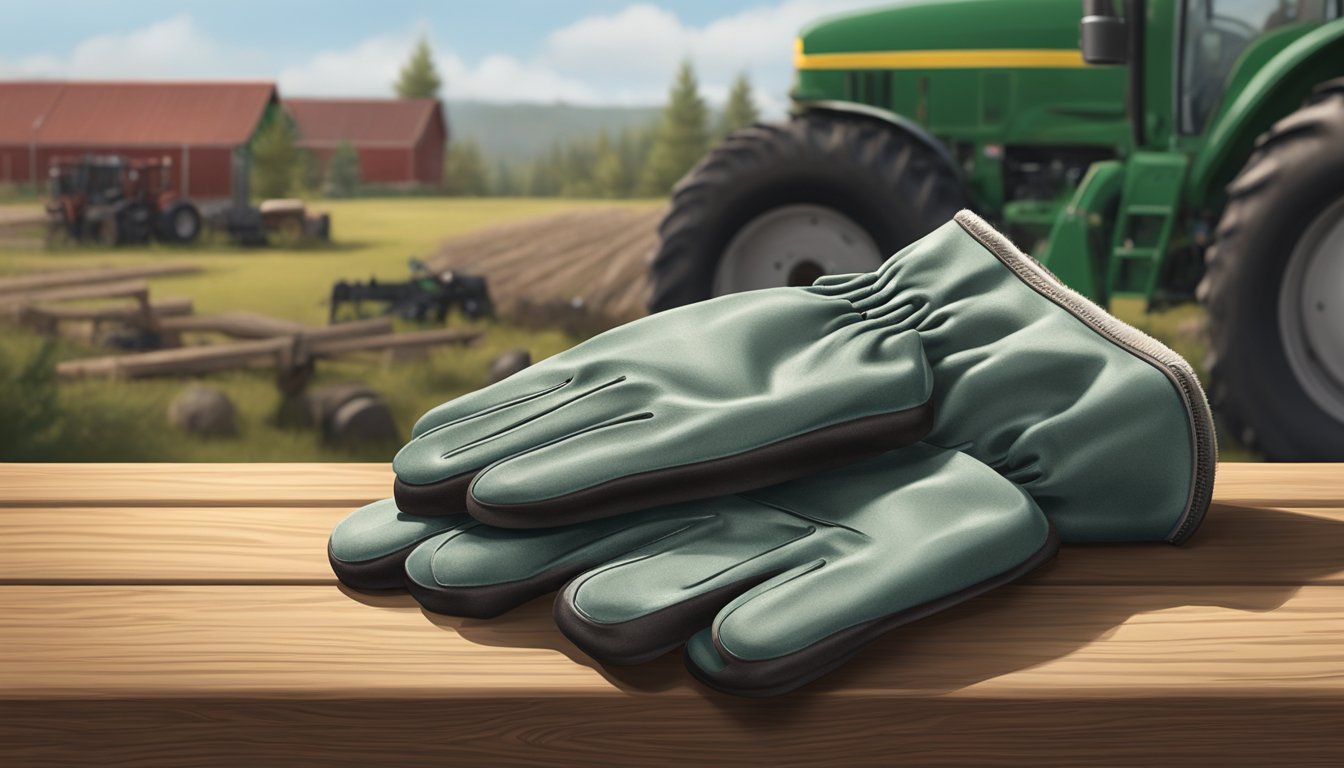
x=123, y=289
x=167, y=545
x=1280, y=484
x=322, y=342
x=63, y=277
x=172, y=307
x=251, y=325
x=1030, y=644
x=644, y=729
x=175, y=362
x=1288, y=486
x=411, y=339
x=287, y=545
x=242, y=325
x=198, y=485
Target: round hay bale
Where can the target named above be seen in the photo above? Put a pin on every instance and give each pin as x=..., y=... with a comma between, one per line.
x=203, y=411
x=350, y=413
x=362, y=420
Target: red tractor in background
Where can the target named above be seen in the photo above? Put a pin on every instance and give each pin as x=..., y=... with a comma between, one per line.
x=115, y=199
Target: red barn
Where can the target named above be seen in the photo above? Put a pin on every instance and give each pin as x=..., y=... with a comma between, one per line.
x=400, y=142
x=204, y=128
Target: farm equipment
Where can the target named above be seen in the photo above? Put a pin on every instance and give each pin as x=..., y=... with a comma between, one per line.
x=426, y=294
x=1184, y=148
x=115, y=200
x=288, y=219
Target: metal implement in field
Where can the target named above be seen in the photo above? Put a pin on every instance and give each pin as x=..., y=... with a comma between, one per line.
x=1182, y=147
x=426, y=295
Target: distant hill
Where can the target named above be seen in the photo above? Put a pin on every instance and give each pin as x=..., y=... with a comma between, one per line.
x=520, y=132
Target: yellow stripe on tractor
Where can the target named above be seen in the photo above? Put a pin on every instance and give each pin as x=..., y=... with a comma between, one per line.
x=970, y=58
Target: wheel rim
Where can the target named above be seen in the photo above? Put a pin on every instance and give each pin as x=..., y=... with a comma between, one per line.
x=794, y=245
x=1311, y=310
x=183, y=224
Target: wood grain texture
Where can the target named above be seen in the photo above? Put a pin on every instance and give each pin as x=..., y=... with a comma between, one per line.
x=1032, y=643
x=1270, y=485
x=1280, y=484
x=184, y=615
x=167, y=545
x=179, y=544
x=200, y=485
x=510, y=730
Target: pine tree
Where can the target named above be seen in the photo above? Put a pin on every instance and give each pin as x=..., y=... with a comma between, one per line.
x=343, y=172
x=507, y=183
x=419, y=78
x=464, y=170
x=608, y=171
x=682, y=135
x=307, y=174
x=740, y=111
x=634, y=146
x=275, y=158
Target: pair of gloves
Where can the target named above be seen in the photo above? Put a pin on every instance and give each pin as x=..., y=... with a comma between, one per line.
x=775, y=478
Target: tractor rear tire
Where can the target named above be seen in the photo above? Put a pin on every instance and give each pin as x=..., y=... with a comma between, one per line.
x=181, y=223
x=1276, y=346
x=842, y=192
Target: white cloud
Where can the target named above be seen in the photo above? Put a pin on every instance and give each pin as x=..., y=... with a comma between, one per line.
x=626, y=57
x=649, y=42
x=176, y=46
x=370, y=67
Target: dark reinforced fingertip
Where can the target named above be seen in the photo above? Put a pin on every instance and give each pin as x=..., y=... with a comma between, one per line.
x=445, y=497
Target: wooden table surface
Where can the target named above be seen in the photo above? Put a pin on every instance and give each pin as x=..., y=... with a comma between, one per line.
x=186, y=615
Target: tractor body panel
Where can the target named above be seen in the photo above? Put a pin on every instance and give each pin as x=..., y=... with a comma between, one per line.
x=1003, y=85
x=1271, y=79
x=986, y=77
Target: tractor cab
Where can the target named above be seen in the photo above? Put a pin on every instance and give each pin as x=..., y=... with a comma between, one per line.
x=1215, y=35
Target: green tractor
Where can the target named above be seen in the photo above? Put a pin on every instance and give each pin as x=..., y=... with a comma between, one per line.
x=1185, y=148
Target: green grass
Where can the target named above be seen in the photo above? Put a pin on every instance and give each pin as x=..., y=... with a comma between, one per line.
x=371, y=237
x=126, y=420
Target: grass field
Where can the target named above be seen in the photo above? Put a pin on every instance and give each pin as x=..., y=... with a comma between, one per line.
x=125, y=420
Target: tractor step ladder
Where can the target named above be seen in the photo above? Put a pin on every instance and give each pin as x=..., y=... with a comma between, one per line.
x=1149, y=203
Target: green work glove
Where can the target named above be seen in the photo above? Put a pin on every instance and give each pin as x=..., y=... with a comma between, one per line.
x=1106, y=428
x=722, y=396
x=772, y=588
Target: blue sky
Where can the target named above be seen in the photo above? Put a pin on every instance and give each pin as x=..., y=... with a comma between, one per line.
x=587, y=51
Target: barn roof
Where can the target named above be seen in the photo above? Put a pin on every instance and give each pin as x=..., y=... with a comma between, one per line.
x=21, y=106
x=362, y=122
x=107, y=113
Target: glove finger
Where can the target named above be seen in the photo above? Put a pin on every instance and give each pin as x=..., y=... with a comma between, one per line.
x=802, y=624
x=434, y=469
x=682, y=450
x=481, y=571
x=648, y=602
x=367, y=548
x=521, y=388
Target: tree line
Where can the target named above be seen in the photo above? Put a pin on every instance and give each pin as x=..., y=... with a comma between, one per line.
x=635, y=162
